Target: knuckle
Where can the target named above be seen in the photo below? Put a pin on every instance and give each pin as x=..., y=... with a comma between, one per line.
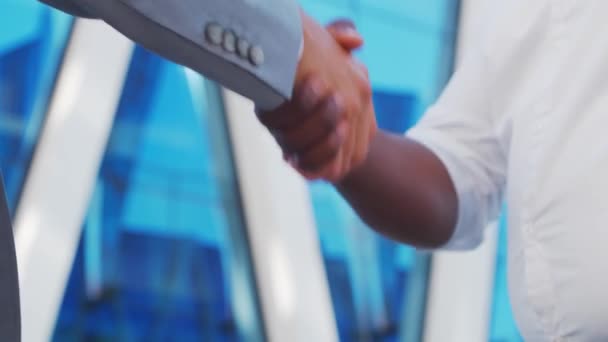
x=311, y=92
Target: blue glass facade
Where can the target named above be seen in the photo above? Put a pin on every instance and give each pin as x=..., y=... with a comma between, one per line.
x=378, y=287
x=32, y=41
x=164, y=254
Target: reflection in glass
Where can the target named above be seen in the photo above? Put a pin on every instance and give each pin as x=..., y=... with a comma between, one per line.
x=378, y=287
x=32, y=40
x=163, y=255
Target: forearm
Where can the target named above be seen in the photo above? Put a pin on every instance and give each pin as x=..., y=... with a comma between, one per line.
x=404, y=192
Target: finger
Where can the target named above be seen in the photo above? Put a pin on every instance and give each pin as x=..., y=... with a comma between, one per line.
x=330, y=172
x=345, y=33
x=336, y=170
x=333, y=171
x=363, y=134
x=344, y=23
x=319, y=125
x=349, y=40
x=310, y=93
x=323, y=153
x=351, y=141
x=307, y=96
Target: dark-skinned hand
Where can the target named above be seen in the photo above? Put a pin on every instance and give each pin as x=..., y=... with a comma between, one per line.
x=326, y=128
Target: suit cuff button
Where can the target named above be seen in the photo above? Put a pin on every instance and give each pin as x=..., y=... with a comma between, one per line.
x=229, y=42
x=214, y=33
x=256, y=55
x=242, y=48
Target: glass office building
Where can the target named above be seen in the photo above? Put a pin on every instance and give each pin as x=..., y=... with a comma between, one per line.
x=32, y=41
x=165, y=249
x=163, y=254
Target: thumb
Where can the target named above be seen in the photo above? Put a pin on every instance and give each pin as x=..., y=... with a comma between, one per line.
x=345, y=33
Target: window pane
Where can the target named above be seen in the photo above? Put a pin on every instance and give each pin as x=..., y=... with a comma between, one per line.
x=163, y=255
x=32, y=40
x=378, y=287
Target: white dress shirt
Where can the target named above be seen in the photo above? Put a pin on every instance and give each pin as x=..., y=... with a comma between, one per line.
x=525, y=118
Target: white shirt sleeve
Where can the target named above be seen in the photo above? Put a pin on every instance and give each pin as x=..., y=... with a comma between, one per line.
x=461, y=131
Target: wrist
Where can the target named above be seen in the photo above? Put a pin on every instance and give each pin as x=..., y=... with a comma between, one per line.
x=360, y=171
x=308, y=28
x=301, y=51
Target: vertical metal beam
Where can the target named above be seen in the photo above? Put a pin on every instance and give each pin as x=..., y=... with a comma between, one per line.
x=64, y=170
x=293, y=288
x=462, y=284
x=460, y=294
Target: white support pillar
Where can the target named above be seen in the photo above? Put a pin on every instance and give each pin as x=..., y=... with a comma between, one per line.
x=460, y=294
x=462, y=283
x=293, y=289
x=64, y=170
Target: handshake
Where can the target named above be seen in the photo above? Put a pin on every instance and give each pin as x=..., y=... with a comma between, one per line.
x=325, y=130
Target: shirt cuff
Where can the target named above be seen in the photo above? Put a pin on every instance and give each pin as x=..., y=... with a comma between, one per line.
x=467, y=233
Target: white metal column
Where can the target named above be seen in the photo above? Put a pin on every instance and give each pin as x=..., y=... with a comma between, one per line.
x=461, y=284
x=289, y=269
x=460, y=294
x=64, y=170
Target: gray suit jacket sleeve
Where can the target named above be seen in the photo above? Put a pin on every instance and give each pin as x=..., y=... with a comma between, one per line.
x=249, y=46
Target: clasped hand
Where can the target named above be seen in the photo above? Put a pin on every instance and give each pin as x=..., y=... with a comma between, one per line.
x=326, y=128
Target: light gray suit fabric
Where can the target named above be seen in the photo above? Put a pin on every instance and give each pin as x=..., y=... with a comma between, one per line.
x=176, y=31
